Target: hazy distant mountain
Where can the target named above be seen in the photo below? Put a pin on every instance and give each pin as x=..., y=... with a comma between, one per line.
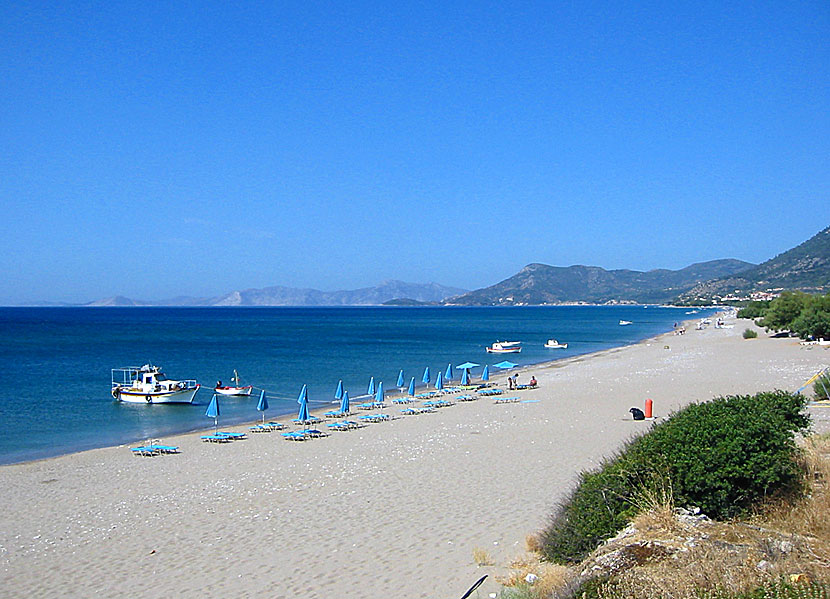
x=288, y=296
x=542, y=284
x=805, y=267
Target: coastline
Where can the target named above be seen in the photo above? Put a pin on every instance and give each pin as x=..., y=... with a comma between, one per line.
x=40, y=445
x=392, y=509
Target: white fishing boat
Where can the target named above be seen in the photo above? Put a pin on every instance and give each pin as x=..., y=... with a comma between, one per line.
x=625, y=322
x=236, y=389
x=505, y=347
x=148, y=384
x=554, y=344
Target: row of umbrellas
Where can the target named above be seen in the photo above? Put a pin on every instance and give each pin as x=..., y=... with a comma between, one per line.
x=343, y=395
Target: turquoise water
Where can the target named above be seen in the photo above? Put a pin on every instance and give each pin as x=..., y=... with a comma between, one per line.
x=55, y=392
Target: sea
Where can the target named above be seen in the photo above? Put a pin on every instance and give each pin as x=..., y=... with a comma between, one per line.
x=56, y=378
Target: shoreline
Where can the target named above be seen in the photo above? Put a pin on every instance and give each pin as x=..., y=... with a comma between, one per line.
x=319, y=410
x=392, y=509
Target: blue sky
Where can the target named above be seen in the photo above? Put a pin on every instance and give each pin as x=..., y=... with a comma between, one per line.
x=196, y=148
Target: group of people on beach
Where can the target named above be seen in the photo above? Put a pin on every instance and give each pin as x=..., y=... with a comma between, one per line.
x=513, y=382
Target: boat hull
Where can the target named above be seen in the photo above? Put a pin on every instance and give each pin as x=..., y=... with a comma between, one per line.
x=556, y=345
x=182, y=396
x=511, y=350
x=234, y=391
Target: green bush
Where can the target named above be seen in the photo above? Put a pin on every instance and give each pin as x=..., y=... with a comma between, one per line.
x=750, y=334
x=722, y=456
x=753, y=310
x=822, y=386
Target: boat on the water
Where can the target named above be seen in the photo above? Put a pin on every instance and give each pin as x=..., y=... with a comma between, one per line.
x=554, y=344
x=148, y=384
x=625, y=322
x=236, y=389
x=505, y=347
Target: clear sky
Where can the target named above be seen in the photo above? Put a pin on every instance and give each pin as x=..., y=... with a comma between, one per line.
x=155, y=149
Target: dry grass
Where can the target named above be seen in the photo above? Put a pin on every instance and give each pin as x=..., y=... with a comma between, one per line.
x=548, y=577
x=481, y=557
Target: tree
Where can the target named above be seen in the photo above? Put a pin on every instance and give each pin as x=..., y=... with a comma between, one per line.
x=784, y=310
x=814, y=319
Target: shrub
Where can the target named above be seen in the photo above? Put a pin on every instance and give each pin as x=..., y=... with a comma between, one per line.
x=822, y=386
x=750, y=334
x=723, y=456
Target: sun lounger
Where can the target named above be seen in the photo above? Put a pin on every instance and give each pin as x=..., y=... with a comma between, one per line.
x=294, y=436
x=260, y=428
x=314, y=433
x=334, y=414
x=506, y=400
x=232, y=436
x=164, y=448
x=490, y=392
x=465, y=398
x=143, y=451
x=524, y=387
x=338, y=426
x=402, y=400
x=215, y=438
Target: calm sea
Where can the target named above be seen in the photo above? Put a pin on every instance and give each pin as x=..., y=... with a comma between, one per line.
x=55, y=397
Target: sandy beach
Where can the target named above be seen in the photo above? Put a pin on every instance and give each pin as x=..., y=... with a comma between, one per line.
x=394, y=509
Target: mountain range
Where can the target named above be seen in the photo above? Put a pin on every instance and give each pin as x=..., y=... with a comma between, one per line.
x=289, y=296
x=542, y=284
x=805, y=267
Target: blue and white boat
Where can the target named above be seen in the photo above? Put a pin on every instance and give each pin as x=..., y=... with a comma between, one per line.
x=148, y=384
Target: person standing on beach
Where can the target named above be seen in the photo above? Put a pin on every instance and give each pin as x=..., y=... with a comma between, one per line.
x=509, y=383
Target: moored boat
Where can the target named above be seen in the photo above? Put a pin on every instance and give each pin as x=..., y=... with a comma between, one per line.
x=625, y=322
x=148, y=384
x=237, y=390
x=505, y=347
x=554, y=344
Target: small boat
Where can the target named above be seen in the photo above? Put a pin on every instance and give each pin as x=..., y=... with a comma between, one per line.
x=625, y=322
x=148, y=384
x=554, y=344
x=505, y=347
x=238, y=391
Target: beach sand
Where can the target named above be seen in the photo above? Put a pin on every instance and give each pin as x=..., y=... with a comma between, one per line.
x=394, y=509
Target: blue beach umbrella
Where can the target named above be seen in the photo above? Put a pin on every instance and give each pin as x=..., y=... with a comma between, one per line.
x=263, y=404
x=448, y=374
x=467, y=365
x=505, y=365
x=371, y=389
x=485, y=374
x=411, y=389
x=465, y=377
x=400, y=380
x=344, y=403
x=213, y=411
x=439, y=381
x=339, y=393
x=426, y=377
x=303, y=401
x=379, y=394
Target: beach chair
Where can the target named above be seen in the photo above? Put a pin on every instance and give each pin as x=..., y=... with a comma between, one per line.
x=294, y=436
x=215, y=438
x=353, y=424
x=275, y=426
x=232, y=436
x=506, y=400
x=315, y=434
x=260, y=428
x=143, y=451
x=165, y=449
